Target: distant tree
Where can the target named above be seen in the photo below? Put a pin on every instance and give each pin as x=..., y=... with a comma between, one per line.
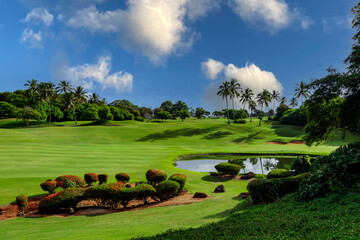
x=90, y=113
x=183, y=114
x=192, y=112
x=283, y=100
x=94, y=98
x=105, y=113
x=224, y=92
x=275, y=96
x=235, y=87
x=280, y=110
x=49, y=94
x=7, y=110
x=32, y=89
x=80, y=96
x=157, y=110
x=179, y=106
x=68, y=102
x=163, y=115
x=199, y=112
x=63, y=87
x=122, y=103
x=167, y=106
x=246, y=97
x=302, y=90
x=218, y=114
x=252, y=106
x=145, y=111
x=26, y=114
x=263, y=98
x=293, y=102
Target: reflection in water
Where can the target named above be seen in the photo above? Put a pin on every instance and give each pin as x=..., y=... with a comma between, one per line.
x=257, y=165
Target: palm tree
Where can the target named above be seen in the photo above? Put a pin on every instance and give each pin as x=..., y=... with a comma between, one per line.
x=302, y=90
x=275, y=96
x=263, y=98
x=283, y=100
x=246, y=96
x=80, y=97
x=41, y=93
x=224, y=92
x=252, y=106
x=32, y=88
x=293, y=102
x=63, y=87
x=94, y=98
x=68, y=101
x=234, y=92
x=50, y=94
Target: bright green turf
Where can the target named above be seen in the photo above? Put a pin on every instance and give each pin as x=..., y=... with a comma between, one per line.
x=31, y=155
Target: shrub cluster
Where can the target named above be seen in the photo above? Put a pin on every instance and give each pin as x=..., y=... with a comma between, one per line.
x=90, y=178
x=22, y=201
x=301, y=164
x=241, y=121
x=179, y=178
x=228, y=168
x=278, y=173
x=103, y=178
x=67, y=198
x=298, y=117
x=49, y=186
x=69, y=181
x=155, y=176
x=122, y=177
x=167, y=189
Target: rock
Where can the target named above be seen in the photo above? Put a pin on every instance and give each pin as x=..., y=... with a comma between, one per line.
x=128, y=185
x=200, y=195
x=70, y=211
x=219, y=188
x=248, y=175
x=244, y=195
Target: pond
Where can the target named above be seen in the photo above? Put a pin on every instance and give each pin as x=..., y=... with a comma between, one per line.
x=258, y=165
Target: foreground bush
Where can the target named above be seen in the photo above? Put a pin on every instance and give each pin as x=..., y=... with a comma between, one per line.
x=278, y=173
x=103, y=178
x=301, y=164
x=90, y=178
x=22, y=201
x=49, y=186
x=69, y=181
x=122, y=177
x=57, y=202
x=228, y=168
x=154, y=176
x=179, y=178
x=167, y=189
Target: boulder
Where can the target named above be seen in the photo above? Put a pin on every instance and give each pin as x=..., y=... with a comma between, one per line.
x=219, y=188
x=248, y=175
x=70, y=211
x=128, y=185
x=244, y=195
x=200, y=195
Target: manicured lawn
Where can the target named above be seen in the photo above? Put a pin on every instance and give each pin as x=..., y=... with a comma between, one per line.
x=29, y=156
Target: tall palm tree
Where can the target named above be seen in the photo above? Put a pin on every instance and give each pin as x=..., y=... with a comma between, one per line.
x=263, y=98
x=63, y=87
x=32, y=88
x=293, y=102
x=275, y=96
x=41, y=93
x=283, y=100
x=246, y=96
x=50, y=94
x=68, y=101
x=234, y=92
x=80, y=97
x=224, y=92
x=94, y=98
x=302, y=90
x=252, y=107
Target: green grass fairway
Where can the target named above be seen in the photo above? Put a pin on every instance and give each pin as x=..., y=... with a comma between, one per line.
x=29, y=156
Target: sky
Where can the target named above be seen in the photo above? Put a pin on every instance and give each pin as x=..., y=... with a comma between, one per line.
x=149, y=51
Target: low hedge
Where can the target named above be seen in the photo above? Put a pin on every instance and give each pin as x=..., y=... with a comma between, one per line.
x=179, y=178
x=144, y=191
x=90, y=178
x=122, y=177
x=278, y=173
x=154, y=176
x=69, y=181
x=49, y=186
x=22, y=201
x=103, y=178
x=228, y=168
x=61, y=200
x=103, y=194
x=167, y=189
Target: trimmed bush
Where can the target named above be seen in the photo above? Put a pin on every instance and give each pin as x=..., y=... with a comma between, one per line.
x=301, y=165
x=228, y=168
x=155, y=176
x=262, y=191
x=289, y=184
x=49, y=186
x=143, y=191
x=103, y=194
x=122, y=177
x=60, y=201
x=124, y=196
x=103, y=178
x=167, y=189
x=90, y=178
x=69, y=181
x=179, y=178
x=278, y=173
x=22, y=201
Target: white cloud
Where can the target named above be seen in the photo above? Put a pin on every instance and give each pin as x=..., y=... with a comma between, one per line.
x=31, y=39
x=249, y=76
x=305, y=21
x=212, y=68
x=38, y=15
x=87, y=75
x=153, y=28
x=336, y=23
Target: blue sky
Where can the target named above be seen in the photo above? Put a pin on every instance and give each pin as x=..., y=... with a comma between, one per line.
x=149, y=51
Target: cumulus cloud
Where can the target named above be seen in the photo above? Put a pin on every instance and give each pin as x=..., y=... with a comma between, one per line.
x=31, y=39
x=38, y=15
x=272, y=15
x=249, y=76
x=212, y=68
x=153, y=28
x=87, y=75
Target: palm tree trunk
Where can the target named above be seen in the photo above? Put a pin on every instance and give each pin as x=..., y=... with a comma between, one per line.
x=262, y=170
x=274, y=107
x=260, y=117
x=233, y=109
x=49, y=111
x=75, y=115
x=227, y=107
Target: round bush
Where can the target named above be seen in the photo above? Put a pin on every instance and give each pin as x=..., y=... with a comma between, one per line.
x=179, y=178
x=103, y=178
x=143, y=191
x=49, y=186
x=103, y=194
x=262, y=191
x=61, y=200
x=301, y=165
x=155, y=176
x=22, y=201
x=90, y=178
x=124, y=196
x=69, y=181
x=278, y=173
x=228, y=168
x=167, y=189
x=122, y=177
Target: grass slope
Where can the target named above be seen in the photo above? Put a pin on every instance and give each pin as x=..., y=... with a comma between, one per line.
x=29, y=156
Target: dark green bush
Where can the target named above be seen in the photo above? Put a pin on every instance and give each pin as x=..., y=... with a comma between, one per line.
x=105, y=113
x=49, y=186
x=228, y=168
x=260, y=176
x=103, y=178
x=125, y=195
x=280, y=111
x=60, y=201
x=22, y=201
x=289, y=184
x=241, y=121
x=278, y=173
x=69, y=181
x=301, y=164
x=90, y=178
x=7, y=110
x=138, y=118
x=262, y=191
x=270, y=118
x=167, y=189
x=298, y=117
x=154, y=176
x=180, y=178
x=143, y=191
x=122, y=177
x=104, y=194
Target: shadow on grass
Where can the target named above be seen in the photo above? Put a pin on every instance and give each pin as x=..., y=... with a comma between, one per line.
x=287, y=130
x=209, y=178
x=242, y=205
x=217, y=135
x=21, y=124
x=250, y=138
x=185, y=132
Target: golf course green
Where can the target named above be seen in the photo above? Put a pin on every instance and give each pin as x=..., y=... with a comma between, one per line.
x=31, y=155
